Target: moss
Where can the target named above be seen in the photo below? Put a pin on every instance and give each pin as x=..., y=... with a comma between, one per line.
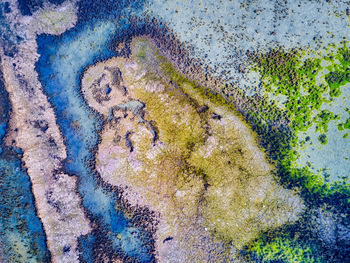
x=323, y=139
x=287, y=249
x=304, y=99
x=285, y=73
x=322, y=120
x=347, y=124
x=340, y=127
x=344, y=56
x=335, y=80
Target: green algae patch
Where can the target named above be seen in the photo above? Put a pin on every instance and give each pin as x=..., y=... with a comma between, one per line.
x=323, y=139
x=307, y=84
x=346, y=124
x=335, y=79
x=339, y=73
x=287, y=249
x=322, y=120
x=308, y=81
x=296, y=76
x=283, y=73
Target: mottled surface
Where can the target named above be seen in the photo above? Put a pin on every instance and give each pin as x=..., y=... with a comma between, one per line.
x=193, y=161
x=174, y=131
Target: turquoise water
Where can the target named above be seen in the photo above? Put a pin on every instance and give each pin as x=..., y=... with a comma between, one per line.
x=60, y=67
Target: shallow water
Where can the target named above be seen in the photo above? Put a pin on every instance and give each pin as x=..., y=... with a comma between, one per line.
x=22, y=236
x=222, y=31
x=61, y=64
x=333, y=158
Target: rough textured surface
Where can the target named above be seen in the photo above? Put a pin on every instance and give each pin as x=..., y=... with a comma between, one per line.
x=33, y=129
x=174, y=131
x=187, y=157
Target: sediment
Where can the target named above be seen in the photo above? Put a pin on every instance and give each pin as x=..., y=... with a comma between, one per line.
x=33, y=129
x=205, y=158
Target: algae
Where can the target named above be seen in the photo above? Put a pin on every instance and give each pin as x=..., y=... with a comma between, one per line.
x=306, y=90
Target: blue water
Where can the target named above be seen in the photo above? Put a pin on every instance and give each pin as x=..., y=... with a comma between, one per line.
x=27, y=7
x=21, y=232
x=60, y=67
x=2, y=130
x=108, y=9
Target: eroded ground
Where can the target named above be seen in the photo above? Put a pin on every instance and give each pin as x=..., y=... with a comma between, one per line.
x=186, y=155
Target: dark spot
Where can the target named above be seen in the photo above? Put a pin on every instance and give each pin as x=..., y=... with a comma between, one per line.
x=215, y=116
x=42, y=125
x=66, y=248
x=19, y=39
x=206, y=185
x=117, y=139
x=7, y=8
x=108, y=89
x=153, y=130
x=323, y=139
x=52, y=142
x=128, y=142
x=202, y=109
x=168, y=239
x=124, y=90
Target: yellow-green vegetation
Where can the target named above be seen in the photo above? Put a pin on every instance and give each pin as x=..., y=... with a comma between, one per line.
x=339, y=72
x=237, y=200
x=285, y=249
x=346, y=125
x=288, y=74
x=209, y=162
x=306, y=84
